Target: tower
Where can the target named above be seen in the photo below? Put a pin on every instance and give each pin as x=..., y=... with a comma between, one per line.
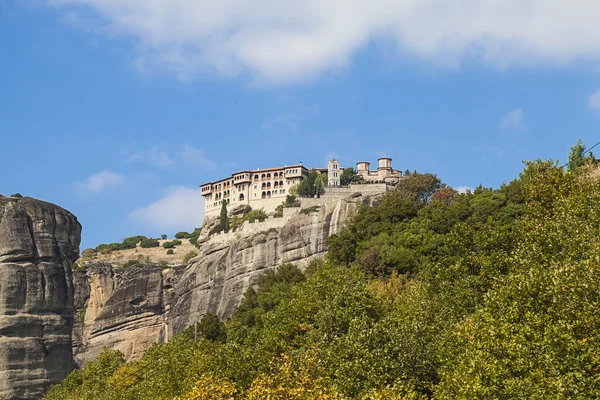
x=333, y=173
x=385, y=167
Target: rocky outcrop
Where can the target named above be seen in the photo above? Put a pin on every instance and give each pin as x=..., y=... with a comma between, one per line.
x=120, y=309
x=133, y=308
x=227, y=264
x=38, y=244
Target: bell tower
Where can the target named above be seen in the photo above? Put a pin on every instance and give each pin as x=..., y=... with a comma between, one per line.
x=333, y=173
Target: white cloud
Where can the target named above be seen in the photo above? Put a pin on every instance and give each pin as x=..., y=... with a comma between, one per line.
x=464, y=189
x=594, y=101
x=193, y=156
x=181, y=208
x=514, y=119
x=282, y=41
x=155, y=156
x=101, y=181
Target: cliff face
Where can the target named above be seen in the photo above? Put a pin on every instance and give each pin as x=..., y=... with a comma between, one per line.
x=129, y=310
x=122, y=310
x=38, y=244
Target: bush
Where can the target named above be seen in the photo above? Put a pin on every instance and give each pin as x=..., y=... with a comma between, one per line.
x=278, y=211
x=291, y=201
x=17, y=195
x=189, y=256
x=88, y=253
x=132, y=241
x=149, y=243
x=194, y=236
x=171, y=244
x=130, y=263
x=170, y=251
x=309, y=210
x=182, y=235
x=163, y=236
x=256, y=215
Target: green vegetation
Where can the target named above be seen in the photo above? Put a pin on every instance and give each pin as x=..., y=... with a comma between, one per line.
x=491, y=294
x=149, y=243
x=189, y=255
x=127, y=243
x=171, y=244
x=182, y=235
x=310, y=210
x=170, y=251
x=163, y=236
x=224, y=219
x=194, y=236
x=17, y=195
x=349, y=176
x=249, y=215
x=312, y=185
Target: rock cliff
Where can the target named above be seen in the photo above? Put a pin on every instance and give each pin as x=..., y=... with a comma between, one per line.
x=129, y=310
x=38, y=244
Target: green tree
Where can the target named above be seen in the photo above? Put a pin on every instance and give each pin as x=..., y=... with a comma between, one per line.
x=349, y=176
x=576, y=156
x=211, y=327
x=311, y=185
x=224, y=219
x=163, y=236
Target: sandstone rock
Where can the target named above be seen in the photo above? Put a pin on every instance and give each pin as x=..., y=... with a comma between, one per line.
x=38, y=244
x=129, y=310
x=119, y=309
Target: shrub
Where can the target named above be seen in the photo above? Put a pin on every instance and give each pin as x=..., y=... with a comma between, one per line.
x=291, y=201
x=279, y=211
x=194, y=236
x=163, y=236
x=182, y=235
x=132, y=241
x=309, y=210
x=88, y=253
x=256, y=215
x=170, y=251
x=17, y=195
x=130, y=263
x=171, y=244
x=189, y=256
x=148, y=243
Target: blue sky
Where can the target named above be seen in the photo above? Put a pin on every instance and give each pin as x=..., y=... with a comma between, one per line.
x=118, y=110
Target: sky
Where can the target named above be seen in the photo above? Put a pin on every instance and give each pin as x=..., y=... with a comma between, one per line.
x=117, y=110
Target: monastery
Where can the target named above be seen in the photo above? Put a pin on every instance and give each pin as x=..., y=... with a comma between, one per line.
x=267, y=188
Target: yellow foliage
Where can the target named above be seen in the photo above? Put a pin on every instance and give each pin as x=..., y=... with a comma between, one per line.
x=299, y=378
x=209, y=387
x=124, y=377
x=387, y=290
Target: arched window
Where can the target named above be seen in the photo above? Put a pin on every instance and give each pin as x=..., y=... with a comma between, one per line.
x=280, y=183
x=283, y=191
x=276, y=184
x=268, y=176
x=264, y=186
x=241, y=196
x=264, y=194
x=268, y=194
x=255, y=178
x=268, y=184
x=263, y=176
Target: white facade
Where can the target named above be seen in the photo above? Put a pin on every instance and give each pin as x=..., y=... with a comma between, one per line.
x=257, y=188
x=333, y=173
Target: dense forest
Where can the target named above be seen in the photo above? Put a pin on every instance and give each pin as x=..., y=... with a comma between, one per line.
x=489, y=294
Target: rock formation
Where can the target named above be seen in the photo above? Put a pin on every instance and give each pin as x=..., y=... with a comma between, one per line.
x=133, y=308
x=38, y=244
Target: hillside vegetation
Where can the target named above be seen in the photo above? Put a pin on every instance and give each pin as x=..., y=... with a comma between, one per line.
x=492, y=294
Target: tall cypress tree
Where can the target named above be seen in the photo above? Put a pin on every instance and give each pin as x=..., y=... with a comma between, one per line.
x=224, y=218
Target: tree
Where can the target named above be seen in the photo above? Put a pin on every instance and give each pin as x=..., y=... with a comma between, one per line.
x=224, y=218
x=211, y=327
x=182, y=235
x=349, y=176
x=312, y=185
x=163, y=236
x=576, y=156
